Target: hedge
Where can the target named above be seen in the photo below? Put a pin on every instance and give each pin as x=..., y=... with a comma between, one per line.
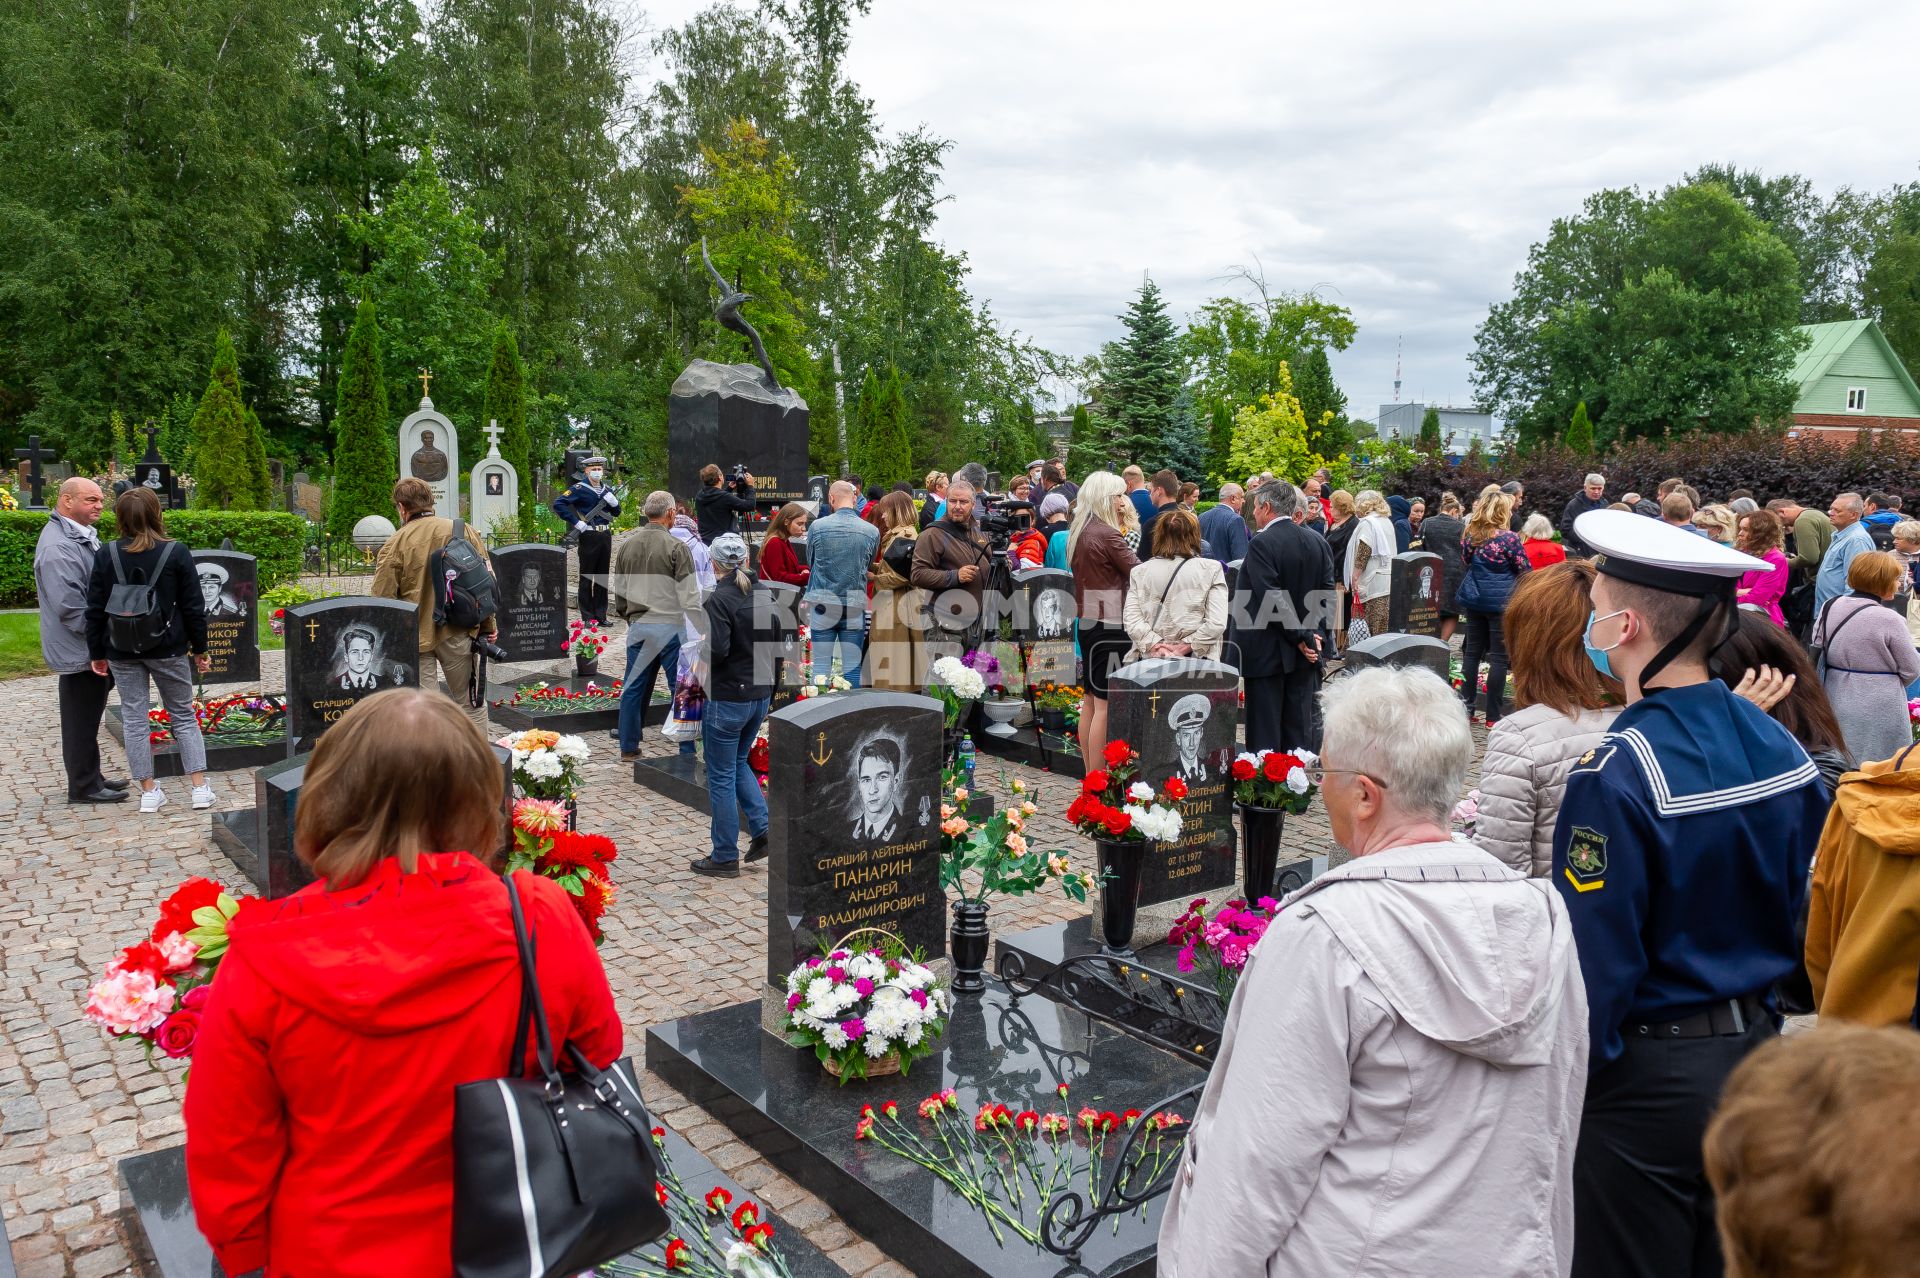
x=1810, y=469
x=276, y=538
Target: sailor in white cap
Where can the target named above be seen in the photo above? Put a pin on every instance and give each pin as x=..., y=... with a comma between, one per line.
x=1682, y=851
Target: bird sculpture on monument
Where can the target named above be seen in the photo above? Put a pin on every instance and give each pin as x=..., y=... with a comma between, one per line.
x=727, y=311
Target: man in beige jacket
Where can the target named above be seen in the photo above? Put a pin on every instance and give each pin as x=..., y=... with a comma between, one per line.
x=401, y=573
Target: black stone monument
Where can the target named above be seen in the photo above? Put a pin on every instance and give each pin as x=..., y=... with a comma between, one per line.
x=1043, y=606
x=34, y=479
x=1400, y=650
x=726, y=414
x=1183, y=716
x=533, y=601
x=154, y=474
x=259, y=839
x=229, y=591
x=1414, y=594
x=853, y=791
x=340, y=651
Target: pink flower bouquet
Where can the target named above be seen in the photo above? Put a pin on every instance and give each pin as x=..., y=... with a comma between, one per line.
x=1220, y=944
x=157, y=990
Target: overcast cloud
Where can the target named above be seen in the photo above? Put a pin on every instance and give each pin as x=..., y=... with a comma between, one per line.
x=1399, y=157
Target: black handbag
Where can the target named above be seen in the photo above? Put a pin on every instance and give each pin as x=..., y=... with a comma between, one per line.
x=551, y=1174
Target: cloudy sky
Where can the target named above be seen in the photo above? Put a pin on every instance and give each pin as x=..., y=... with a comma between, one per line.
x=1398, y=157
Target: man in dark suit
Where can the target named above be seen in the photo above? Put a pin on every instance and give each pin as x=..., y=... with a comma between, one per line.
x=1285, y=595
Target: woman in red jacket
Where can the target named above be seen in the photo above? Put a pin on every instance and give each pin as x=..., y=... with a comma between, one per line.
x=778, y=559
x=319, y=1111
x=1538, y=542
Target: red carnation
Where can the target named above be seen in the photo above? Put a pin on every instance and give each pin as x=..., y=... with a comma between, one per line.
x=1275, y=767
x=1117, y=822
x=1176, y=788
x=675, y=1256
x=1243, y=770
x=757, y=1235
x=1119, y=752
x=660, y=1192
x=1093, y=783
x=745, y=1214
x=176, y=912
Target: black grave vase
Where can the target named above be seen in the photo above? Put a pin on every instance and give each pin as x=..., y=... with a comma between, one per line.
x=1260, y=831
x=1054, y=721
x=1123, y=864
x=968, y=940
x=585, y=665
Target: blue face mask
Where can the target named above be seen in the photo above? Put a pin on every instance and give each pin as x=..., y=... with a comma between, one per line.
x=1602, y=658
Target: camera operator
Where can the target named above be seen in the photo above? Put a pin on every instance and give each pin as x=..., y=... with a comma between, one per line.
x=951, y=562
x=718, y=506
x=588, y=507
x=403, y=571
x=1026, y=545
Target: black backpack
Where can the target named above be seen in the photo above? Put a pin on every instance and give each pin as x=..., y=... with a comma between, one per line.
x=136, y=622
x=464, y=592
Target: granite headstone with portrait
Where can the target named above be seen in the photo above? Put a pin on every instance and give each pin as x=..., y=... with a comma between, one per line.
x=229, y=593
x=853, y=794
x=430, y=452
x=341, y=651
x=1042, y=613
x=1413, y=594
x=493, y=492
x=1183, y=716
x=532, y=582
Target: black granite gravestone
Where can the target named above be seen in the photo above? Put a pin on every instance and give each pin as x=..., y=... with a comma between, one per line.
x=340, y=651
x=853, y=790
x=1400, y=650
x=817, y=486
x=788, y=665
x=257, y=838
x=1042, y=605
x=532, y=614
x=33, y=479
x=229, y=592
x=1183, y=716
x=726, y=414
x=1414, y=594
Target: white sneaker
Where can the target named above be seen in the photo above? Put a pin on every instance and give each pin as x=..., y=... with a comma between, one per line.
x=202, y=796
x=150, y=800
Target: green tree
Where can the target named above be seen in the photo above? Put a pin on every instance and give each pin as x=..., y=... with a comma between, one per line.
x=259, y=474
x=1891, y=292
x=1219, y=442
x=1143, y=381
x=1669, y=316
x=1084, y=454
x=1579, y=431
x=1430, y=440
x=1186, y=451
x=176, y=432
x=1235, y=346
x=506, y=404
x=862, y=429
x=889, y=451
x=1476, y=453
x=223, y=475
x=1272, y=436
x=1323, y=403
x=363, y=451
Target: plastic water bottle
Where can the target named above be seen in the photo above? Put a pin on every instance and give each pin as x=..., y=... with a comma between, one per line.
x=967, y=758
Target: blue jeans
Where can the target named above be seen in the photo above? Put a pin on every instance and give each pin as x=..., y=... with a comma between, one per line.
x=728, y=731
x=649, y=648
x=832, y=628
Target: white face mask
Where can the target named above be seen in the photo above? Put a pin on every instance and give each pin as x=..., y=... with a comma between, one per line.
x=594, y=476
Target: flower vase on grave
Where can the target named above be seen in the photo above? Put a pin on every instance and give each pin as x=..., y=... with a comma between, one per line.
x=1260, y=831
x=1054, y=721
x=999, y=713
x=1122, y=867
x=585, y=664
x=968, y=938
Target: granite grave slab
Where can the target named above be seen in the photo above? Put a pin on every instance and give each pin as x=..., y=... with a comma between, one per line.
x=1042, y=608
x=341, y=651
x=1400, y=650
x=532, y=613
x=1414, y=593
x=229, y=591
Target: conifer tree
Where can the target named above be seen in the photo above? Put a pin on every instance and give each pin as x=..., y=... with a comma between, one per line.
x=176, y=432
x=1219, y=442
x=1143, y=381
x=889, y=449
x=860, y=430
x=223, y=479
x=505, y=402
x=1580, y=431
x=259, y=474
x=1430, y=431
x=363, y=449
x=1084, y=455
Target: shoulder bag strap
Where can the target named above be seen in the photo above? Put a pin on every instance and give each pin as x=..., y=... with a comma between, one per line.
x=119, y=567
x=1160, y=609
x=532, y=1010
x=1827, y=636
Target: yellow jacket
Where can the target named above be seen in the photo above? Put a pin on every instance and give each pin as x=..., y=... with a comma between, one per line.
x=1863, y=920
x=400, y=572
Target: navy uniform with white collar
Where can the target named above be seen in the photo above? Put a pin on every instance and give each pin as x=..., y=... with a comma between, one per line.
x=1682, y=851
x=588, y=508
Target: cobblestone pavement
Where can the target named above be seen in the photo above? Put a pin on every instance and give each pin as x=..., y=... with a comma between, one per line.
x=78, y=883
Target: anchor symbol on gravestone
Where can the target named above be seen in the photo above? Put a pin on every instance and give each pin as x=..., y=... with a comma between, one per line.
x=821, y=754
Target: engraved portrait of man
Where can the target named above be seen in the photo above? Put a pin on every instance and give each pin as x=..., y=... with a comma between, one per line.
x=428, y=462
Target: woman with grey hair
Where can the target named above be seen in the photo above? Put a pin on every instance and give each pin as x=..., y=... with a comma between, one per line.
x=1421, y=1010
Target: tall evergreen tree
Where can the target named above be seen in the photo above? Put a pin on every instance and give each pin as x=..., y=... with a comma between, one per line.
x=223, y=478
x=1430, y=431
x=1143, y=381
x=1219, y=442
x=1580, y=431
x=861, y=427
x=1084, y=453
x=1324, y=404
x=506, y=404
x=176, y=432
x=1188, y=447
x=363, y=450
x=889, y=450
x=259, y=474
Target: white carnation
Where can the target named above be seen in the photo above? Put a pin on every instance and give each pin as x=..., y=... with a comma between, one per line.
x=1139, y=792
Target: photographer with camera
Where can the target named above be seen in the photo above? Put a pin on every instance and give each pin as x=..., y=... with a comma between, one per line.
x=718, y=507
x=951, y=562
x=456, y=624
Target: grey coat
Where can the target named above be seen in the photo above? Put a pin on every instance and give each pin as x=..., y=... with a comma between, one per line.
x=1868, y=667
x=62, y=566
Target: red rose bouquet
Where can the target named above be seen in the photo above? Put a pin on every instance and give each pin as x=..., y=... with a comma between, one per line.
x=1114, y=804
x=577, y=862
x=157, y=990
x=1274, y=779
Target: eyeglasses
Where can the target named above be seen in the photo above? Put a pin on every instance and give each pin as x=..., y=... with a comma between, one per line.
x=1319, y=775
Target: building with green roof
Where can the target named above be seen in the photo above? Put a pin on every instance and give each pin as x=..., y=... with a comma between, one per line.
x=1850, y=379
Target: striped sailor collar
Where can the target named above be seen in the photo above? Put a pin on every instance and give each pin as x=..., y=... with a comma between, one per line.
x=1701, y=749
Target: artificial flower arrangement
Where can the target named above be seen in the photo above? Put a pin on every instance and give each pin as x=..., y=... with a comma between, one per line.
x=1219, y=944
x=558, y=698
x=821, y=685
x=704, y=1238
x=242, y=719
x=585, y=640
x=1274, y=779
x=1114, y=804
x=1466, y=814
x=866, y=1012
x=987, y=666
x=758, y=756
x=996, y=852
x=1011, y=1165
x=956, y=684
x=546, y=765
x=577, y=862
x=156, y=990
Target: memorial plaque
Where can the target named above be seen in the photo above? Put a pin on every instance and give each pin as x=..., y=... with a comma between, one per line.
x=1043, y=608
x=853, y=792
x=228, y=592
x=789, y=669
x=1053, y=661
x=1183, y=716
x=533, y=600
x=726, y=414
x=1399, y=651
x=430, y=452
x=340, y=651
x=1414, y=594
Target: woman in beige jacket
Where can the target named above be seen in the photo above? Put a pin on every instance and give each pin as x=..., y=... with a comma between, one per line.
x=1563, y=709
x=896, y=647
x=1177, y=601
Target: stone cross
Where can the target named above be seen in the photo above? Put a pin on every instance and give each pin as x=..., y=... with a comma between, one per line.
x=493, y=431
x=33, y=455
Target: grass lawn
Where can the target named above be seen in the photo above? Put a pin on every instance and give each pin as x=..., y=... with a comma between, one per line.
x=20, y=644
